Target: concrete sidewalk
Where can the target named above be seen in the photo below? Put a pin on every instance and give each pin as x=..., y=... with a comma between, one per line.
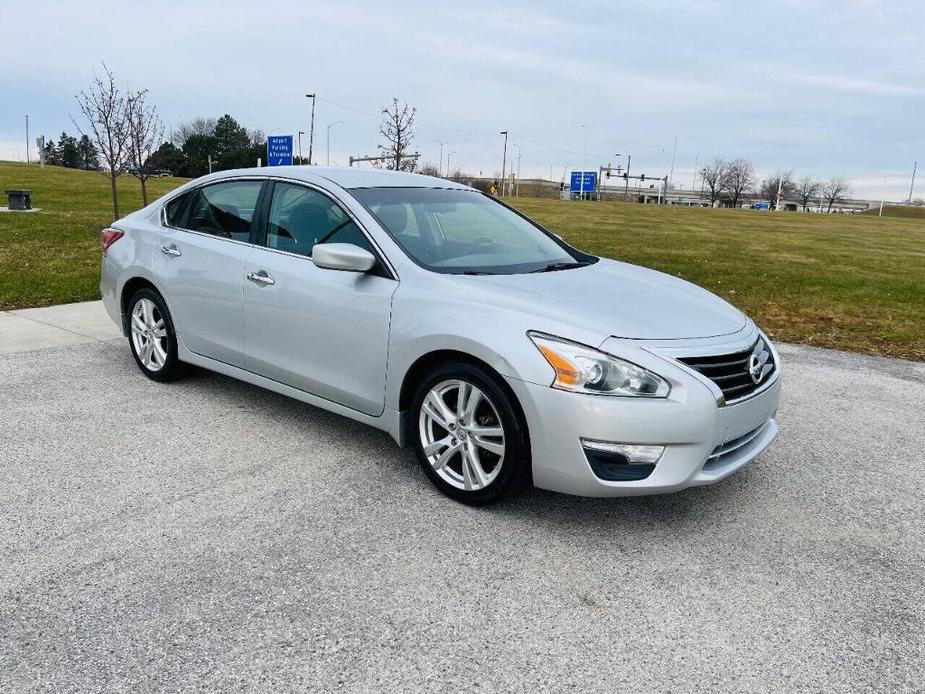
x=55, y=326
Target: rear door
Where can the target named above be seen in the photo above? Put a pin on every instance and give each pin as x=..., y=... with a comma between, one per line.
x=322, y=331
x=202, y=267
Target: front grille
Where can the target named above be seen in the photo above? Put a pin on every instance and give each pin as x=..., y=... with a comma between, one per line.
x=738, y=374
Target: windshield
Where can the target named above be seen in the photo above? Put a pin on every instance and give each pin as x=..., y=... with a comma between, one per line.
x=463, y=231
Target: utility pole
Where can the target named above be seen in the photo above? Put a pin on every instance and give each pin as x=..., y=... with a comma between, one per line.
x=301, y=133
x=311, y=129
x=626, y=190
x=440, y=168
x=519, y=155
x=584, y=159
x=327, y=139
x=503, y=162
x=28, y=156
x=674, y=152
x=915, y=166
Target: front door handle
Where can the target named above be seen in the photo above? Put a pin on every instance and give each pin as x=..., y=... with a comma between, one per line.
x=171, y=250
x=261, y=278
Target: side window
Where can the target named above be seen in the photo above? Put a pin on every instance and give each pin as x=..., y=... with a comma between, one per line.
x=224, y=209
x=301, y=217
x=173, y=208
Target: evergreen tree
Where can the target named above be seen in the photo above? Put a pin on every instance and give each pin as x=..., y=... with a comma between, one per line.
x=89, y=158
x=50, y=152
x=68, y=152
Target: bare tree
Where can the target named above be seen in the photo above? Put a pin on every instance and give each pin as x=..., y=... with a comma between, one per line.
x=145, y=131
x=740, y=179
x=396, y=129
x=834, y=190
x=103, y=105
x=714, y=178
x=430, y=169
x=198, y=126
x=806, y=190
x=777, y=187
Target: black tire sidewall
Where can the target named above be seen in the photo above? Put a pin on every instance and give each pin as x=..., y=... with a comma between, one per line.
x=514, y=469
x=172, y=368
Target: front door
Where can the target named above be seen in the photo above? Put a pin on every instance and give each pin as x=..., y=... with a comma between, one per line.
x=202, y=263
x=322, y=331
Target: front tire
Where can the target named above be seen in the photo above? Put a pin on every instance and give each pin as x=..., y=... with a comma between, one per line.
x=469, y=435
x=152, y=337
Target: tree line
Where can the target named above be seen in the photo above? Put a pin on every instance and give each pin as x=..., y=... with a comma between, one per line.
x=729, y=181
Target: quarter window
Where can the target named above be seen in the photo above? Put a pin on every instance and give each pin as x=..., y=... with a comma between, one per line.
x=173, y=208
x=301, y=217
x=224, y=209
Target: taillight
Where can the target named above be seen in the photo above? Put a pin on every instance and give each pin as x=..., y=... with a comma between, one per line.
x=109, y=237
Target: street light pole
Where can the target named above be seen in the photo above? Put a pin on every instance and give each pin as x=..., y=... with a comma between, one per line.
x=28, y=157
x=915, y=166
x=440, y=168
x=301, y=133
x=503, y=161
x=311, y=130
x=327, y=138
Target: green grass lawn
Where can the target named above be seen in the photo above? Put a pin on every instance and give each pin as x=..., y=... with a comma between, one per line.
x=53, y=256
x=855, y=283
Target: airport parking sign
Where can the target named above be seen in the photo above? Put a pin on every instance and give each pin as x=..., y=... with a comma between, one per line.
x=583, y=181
x=279, y=150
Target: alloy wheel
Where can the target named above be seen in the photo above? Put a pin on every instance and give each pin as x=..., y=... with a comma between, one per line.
x=462, y=435
x=149, y=335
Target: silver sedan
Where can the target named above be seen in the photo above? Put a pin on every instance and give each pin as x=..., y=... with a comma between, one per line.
x=425, y=308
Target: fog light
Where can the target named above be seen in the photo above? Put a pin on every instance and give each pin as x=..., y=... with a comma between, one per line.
x=635, y=454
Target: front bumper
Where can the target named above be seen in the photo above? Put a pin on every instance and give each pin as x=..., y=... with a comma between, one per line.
x=704, y=440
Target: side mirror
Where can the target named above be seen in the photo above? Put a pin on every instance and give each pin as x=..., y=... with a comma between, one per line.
x=342, y=256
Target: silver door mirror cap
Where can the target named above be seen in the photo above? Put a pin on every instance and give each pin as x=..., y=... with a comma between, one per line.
x=342, y=256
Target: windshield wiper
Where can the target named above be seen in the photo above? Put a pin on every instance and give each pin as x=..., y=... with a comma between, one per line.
x=551, y=267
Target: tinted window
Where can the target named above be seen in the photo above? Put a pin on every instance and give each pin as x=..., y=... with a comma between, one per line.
x=224, y=209
x=301, y=217
x=173, y=209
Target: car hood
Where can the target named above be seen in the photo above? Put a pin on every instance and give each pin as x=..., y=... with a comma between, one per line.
x=617, y=299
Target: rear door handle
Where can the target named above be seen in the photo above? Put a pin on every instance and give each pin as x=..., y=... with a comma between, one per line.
x=261, y=278
x=171, y=250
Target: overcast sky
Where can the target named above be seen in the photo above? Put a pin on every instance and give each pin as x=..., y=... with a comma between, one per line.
x=824, y=88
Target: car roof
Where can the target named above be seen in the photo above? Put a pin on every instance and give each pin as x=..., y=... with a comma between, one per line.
x=347, y=177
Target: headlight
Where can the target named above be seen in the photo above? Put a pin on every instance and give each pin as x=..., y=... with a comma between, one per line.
x=585, y=370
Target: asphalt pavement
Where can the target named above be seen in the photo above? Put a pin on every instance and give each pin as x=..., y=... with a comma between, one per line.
x=208, y=535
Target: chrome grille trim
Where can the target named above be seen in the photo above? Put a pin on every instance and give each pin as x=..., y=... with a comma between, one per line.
x=723, y=451
x=731, y=373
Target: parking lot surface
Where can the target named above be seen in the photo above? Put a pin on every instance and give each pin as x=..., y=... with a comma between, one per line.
x=208, y=535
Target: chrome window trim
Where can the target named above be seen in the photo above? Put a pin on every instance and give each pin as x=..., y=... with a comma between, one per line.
x=191, y=189
x=390, y=268
x=346, y=208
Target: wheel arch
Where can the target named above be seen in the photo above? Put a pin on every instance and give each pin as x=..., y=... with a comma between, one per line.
x=424, y=364
x=131, y=286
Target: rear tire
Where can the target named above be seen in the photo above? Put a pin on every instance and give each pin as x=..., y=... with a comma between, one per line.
x=152, y=337
x=469, y=435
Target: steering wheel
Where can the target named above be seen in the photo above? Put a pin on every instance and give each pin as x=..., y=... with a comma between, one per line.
x=481, y=241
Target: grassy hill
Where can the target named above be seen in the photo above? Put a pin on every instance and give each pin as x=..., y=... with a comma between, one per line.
x=52, y=256
x=903, y=211
x=849, y=282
